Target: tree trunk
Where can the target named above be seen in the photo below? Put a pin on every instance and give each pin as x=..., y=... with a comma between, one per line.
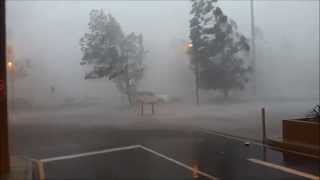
x=128, y=90
x=129, y=98
x=226, y=93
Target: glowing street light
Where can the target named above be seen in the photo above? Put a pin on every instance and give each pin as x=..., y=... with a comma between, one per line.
x=190, y=45
x=10, y=57
x=10, y=64
x=11, y=71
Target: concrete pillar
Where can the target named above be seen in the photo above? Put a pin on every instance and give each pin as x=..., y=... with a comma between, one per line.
x=4, y=142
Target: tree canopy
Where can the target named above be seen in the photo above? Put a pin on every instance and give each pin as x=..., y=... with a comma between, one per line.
x=112, y=54
x=218, y=49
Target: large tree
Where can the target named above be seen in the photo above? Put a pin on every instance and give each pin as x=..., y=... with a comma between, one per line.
x=111, y=54
x=219, y=53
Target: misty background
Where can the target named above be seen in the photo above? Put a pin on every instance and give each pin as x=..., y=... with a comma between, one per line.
x=48, y=33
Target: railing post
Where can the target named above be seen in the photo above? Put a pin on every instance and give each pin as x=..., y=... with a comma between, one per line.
x=263, y=117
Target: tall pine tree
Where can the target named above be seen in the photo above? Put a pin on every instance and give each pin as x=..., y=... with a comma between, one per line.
x=219, y=52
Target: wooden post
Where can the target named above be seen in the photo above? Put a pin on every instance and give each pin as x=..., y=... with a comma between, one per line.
x=4, y=142
x=141, y=108
x=152, y=108
x=263, y=116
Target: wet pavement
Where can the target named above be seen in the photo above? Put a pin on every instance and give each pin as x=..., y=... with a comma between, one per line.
x=135, y=164
x=163, y=152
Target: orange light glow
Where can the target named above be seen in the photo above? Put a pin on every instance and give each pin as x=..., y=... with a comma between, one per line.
x=10, y=65
x=195, y=170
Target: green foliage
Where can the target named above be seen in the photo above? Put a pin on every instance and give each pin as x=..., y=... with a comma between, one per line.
x=315, y=113
x=105, y=33
x=111, y=54
x=218, y=48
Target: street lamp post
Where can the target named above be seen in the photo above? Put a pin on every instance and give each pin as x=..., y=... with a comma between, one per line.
x=197, y=74
x=12, y=71
x=197, y=81
x=253, y=49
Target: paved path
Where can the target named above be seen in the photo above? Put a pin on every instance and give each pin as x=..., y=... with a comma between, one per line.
x=161, y=152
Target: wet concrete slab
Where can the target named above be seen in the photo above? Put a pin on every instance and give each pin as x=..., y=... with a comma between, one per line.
x=229, y=158
x=133, y=164
x=218, y=156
